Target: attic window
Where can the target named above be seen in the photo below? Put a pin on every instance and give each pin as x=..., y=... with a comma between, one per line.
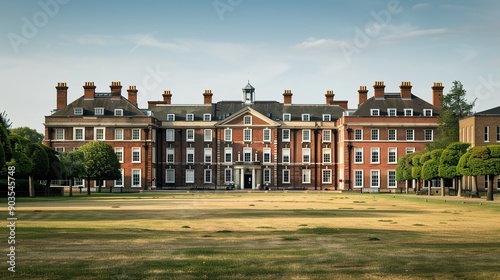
x=327, y=117
x=170, y=117
x=391, y=112
x=306, y=117
x=428, y=112
x=99, y=111
x=408, y=112
x=375, y=112
x=118, y=112
x=207, y=117
x=189, y=117
x=247, y=120
x=78, y=111
x=287, y=117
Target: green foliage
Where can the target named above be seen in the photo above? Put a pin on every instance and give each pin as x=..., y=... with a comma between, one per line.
x=454, y=107
x=450, y=158
x=5, y=143
x=100, y=161
x=416, y=170
x=408, y=167
x=40, y=161
x=22, y=163
x=73, y=164
x=400, y=167
x=30, y=134
x=463, y=165
x=2, y=157
x=5, y=121
x=430, y=169
x=55, y=166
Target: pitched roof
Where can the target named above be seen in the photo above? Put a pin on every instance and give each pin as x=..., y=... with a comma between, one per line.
x=101, y=100
x=394, y=101
x=489, y=112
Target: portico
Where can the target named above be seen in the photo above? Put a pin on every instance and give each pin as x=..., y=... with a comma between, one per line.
x=248, y=176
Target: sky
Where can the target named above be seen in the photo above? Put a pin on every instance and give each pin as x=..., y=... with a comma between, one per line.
x=305, y=46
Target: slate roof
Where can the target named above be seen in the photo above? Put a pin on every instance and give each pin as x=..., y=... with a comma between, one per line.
x=394, y=101
x=102, y=100
x=490, y=112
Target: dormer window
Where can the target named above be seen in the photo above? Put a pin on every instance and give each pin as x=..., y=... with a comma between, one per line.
x=170, y=117
x=428, y=112
x=327, y=117
x=78, y=111
x=306, y=117
x=99, y=111
x=391, y=112
x=207, y=117
x=247, y=120
x=118, y=112
x=408, y=112
x=189, y=117
x=375, y=112
x=287, y=117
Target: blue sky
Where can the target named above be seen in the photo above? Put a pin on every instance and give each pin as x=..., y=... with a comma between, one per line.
x=188, y=46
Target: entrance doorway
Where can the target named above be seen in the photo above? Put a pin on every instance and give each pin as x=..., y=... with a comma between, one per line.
x=248, y=181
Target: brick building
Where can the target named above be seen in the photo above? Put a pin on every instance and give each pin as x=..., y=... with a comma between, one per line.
x=481, y=129
x=250, y=143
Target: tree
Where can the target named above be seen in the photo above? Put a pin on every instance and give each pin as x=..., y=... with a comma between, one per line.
x=100, y=163
x=30, y=134
x=55, y=170
x=430, y=168
x=5, y=121
x=5, y=147
x=454, y=107
x=40, y=164
x=484, y=160
x=464, y=169
x=449, y=161
x=73, y=167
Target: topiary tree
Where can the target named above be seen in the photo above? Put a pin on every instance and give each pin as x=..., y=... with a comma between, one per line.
x=416, y=170
x=449, y=161
x=485, y=160
x=463, y=169
x=100, y=163
x=430, y=168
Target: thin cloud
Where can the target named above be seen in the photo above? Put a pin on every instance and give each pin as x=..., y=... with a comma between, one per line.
x=402, y=35
x=319, y=44
x=420, y=6
x=149, y=41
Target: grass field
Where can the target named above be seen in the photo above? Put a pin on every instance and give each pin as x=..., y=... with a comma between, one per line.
x=240, y=235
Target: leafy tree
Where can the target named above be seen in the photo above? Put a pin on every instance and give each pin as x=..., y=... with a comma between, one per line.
x=19, y=155
x=399, y=169
x=100, y=163
x=454, y=106
x=5, y=121
x=485, y=160
x=73, y=167
x=29, y=133
x=5, y=147
x=449, y=161
x=55, y=170
x=40, y=164
x=430, y=168
x=464, y=169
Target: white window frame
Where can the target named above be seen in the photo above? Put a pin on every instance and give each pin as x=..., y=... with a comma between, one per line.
x=326, y=136
x=374, y=112
x=283, y=134
x=60, y=133
x=392, y=151
x=391, y=183
x=266, y=175
x=228, y=135
x=207, y=176
x=287, y=117
x=306, y=135
x=78, y=111
x=207, y=117
x=119, y=183
x=375, y=155
x=82, y=129
x=119, y=133
x=170, y=117
x=358, y=134
x=428, y=113
x=136, y=151
x=207, y=155
x=408, y=112
x=410, y=150
x=306, y=176
x=328, y=174
x=266, y=152
x=96, y=129
x=119, y=154
x=389, y=134
x=190, y=152
x=285, y=155
x=170, y=155
x=392, y=112
x=190, y=135
x=306, y=155
x=358, y=178
x=247, y=120
x=99, y=111
x=306, y=117
x=486, y=134
x=135, y=172
x=358, y=151
x=170, y=135
x=119, y=112
x=247, y=151
x=228, y=151
x=377, y=135
x=169, y=175
x=207, y=135
x=136, y=134
x=410, y=135
x=429, y=135
x=190, y=117
x=228, y=175
x=266, y=135
x=247, y=135
x=285, y=176
x=327, y=117
x=372, y=177
x=189, y=176
x=327, y=151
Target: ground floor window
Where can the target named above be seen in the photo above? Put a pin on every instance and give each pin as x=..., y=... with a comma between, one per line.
x=375, y=179
x=228, y=175
x=119, y=182
x=190, y=176
x=286, y=176
x=208, y=176
x=267, y=175
x=306, y=176
x=358, y=178
x=170, y=176
x=136, y=178
x=327, y=176
x=391, y=179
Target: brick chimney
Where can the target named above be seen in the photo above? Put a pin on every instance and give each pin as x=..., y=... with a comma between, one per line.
x=116, y=90
x=379, y=89
x=329, y=97
x=363, y=95
x=132, y=95
x=62, y=95
x=89, y=90
x=167, y=97
x=207, y=96
x=437, y=94
x=405, y=90
x=287, y=96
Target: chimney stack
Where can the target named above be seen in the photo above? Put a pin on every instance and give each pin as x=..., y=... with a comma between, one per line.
x=207, y=96
x=132, y=95
x=329, y=97
x=405, y=90
x=167, y=97
x=89, y=90
x=116, y=90
x=379, y=90
x=287, y=96
x=437, y=94
x=363, y=95
x=62, y=95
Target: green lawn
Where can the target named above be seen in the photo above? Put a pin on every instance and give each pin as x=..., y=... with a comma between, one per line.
x=244, y=235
